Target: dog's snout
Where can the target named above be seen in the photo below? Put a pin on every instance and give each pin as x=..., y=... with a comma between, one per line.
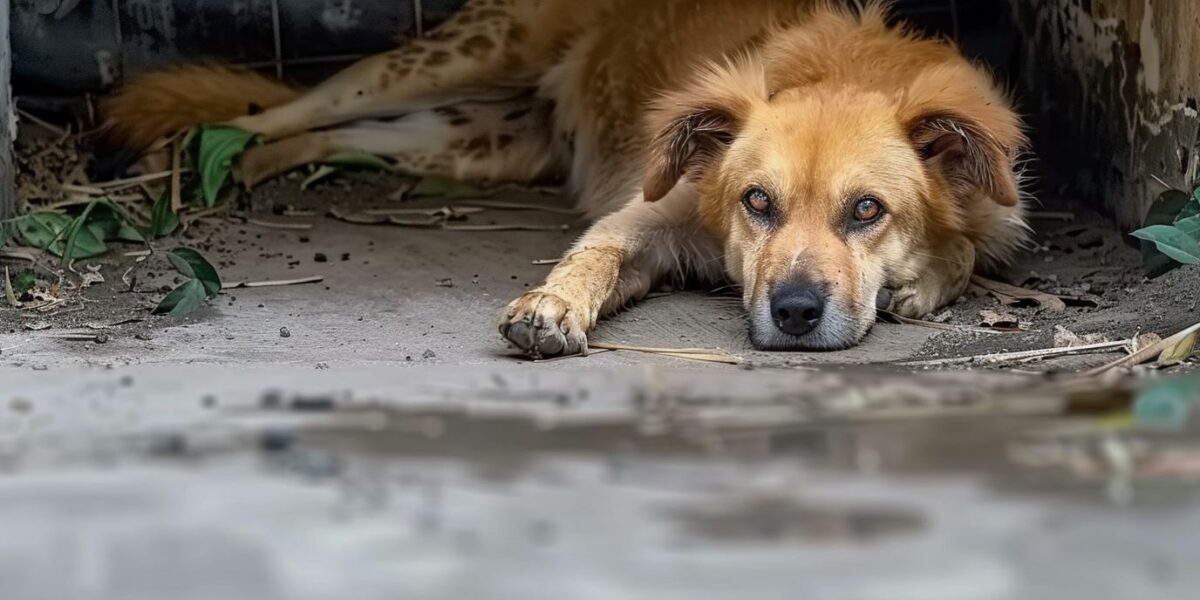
x=797, y=309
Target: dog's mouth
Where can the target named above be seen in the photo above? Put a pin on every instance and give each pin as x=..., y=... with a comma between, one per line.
x=822, y=339
x=839, y=329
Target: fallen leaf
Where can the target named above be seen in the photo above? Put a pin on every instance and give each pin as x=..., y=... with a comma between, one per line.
x=1012, y=295
x=1145, y=340
x=218, y=147
x=1066, y=338
x=90, y=278
x=357, y=218
x=192, y=264
x=1178, y=352
x=998, y=320
x=1171, y=241
x=1143, y=353
x=183, y=299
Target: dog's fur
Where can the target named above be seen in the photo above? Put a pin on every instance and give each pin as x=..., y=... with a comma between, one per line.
x=662, y=114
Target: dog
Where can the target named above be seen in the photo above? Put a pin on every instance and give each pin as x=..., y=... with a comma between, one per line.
x=826, y=160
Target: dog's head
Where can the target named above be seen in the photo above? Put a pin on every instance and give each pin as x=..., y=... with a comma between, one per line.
x=828, y=192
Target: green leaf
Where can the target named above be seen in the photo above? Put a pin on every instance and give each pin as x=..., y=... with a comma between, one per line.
x=1163, y=211
x=1171, y=241
x=110, y=222
x=1192, y=208
x=23, y=281
x=193, y=265
x=41, y=229
x=163, y=221
x=185, y=298
x=1167, y=207
x=218, y=147
x=81, y=241
x=1190, y=226
x=442, y=187
x=127, y=233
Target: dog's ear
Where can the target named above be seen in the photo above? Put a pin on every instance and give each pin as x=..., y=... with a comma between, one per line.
x=691, y=128
x=963, y=126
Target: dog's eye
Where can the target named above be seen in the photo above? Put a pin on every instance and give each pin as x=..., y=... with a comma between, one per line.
x=867, y=210
x=757, y=200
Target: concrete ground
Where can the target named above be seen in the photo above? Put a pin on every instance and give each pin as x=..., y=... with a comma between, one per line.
x=393, y=295
x=390, y=446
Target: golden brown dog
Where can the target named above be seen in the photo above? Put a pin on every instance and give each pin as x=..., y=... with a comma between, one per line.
x=815, y=155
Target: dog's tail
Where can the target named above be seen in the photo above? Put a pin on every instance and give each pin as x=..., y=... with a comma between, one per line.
x=161, y=103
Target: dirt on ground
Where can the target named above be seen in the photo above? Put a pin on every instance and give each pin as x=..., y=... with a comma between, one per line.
x=1076, y=255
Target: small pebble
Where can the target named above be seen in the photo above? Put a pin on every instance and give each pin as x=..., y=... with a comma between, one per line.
x=284, y=332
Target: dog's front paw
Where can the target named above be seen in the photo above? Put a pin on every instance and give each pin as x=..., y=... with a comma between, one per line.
x=543, y=324
x=920, y=299
x=913, y=303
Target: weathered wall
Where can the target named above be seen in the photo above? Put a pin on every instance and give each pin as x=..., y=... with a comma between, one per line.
x=1112, y=88
x=7, y=198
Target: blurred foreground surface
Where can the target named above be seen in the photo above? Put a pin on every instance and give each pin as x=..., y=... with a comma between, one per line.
x=210, y=481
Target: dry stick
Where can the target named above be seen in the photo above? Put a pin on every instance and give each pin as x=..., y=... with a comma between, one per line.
x=701, y=354
x=1024, y=356
x=52, y=128
x=271, y=225
x=119, y=199
x=355, y=218
x=282, y=282
x=429, y=212
x=1145, y=354
x=188, y=218
x=8, y=291
x=546, y=261
x=129, y=181
x=502, y=205
x=176, y=185
x=591, y=352
x=99, y=338
x=18, y=254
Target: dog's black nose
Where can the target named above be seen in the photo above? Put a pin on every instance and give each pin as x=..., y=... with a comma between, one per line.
x=796, y=309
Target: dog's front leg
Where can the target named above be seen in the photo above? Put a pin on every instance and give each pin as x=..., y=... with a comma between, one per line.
x=943, y=278
x=468, y=55
x=618, y=261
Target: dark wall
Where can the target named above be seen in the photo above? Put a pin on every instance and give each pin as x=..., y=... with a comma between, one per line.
x=74, y=46
x=77, y=45
x=1114, y=88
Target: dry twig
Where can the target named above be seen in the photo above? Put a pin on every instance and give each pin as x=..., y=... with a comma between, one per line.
x=279, y=283
x=1020, y=357
x=700, y=354
x=275, y=225
x=1146, y=354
